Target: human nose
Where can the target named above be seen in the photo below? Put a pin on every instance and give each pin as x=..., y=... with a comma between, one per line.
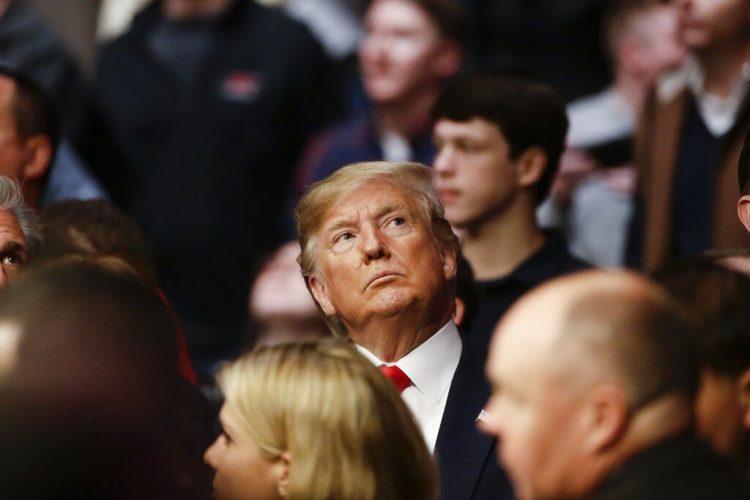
x=372, y=244
x=209, y=457
x=443, y=163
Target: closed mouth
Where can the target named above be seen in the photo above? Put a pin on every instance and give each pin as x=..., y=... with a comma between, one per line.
x=380, y=275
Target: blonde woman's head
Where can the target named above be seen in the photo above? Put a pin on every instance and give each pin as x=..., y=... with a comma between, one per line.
x=326, y=423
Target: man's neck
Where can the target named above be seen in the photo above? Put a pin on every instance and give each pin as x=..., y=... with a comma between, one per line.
x=649, y=427
x=407, y=117
x=495, y=247
x=722, y=65
x=392, y=338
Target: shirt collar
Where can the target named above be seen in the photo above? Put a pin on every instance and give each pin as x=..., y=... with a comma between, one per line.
x=719, y=114
x=538, y=267
x=431, y=365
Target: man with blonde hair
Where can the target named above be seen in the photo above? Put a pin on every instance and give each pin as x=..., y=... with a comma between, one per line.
x=380, y=260
x=593, y=398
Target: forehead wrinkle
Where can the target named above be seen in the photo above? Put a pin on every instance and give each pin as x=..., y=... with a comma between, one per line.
x=351, y=219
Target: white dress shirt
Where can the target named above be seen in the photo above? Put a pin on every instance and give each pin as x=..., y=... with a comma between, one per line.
x=718, y=113
x=430, y=366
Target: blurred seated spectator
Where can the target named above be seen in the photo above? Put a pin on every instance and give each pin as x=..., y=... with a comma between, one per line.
x=30, y=45
x=30, y=147
x=410, y=48
x=316, y=421
x=281, y=308
x=97, y=232
x=499, y=139
x=689, y=140
x=91, y=408
x=715, y=299
x=591, y=198
x=198, y=114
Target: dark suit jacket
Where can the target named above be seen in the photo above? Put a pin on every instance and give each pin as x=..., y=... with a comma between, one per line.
x=467, y=458
x=679, y=468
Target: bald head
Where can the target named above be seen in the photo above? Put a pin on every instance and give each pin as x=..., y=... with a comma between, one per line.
x=602, y=352
x=610, y=324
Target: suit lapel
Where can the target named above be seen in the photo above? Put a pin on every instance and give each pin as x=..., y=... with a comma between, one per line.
x=460, y=449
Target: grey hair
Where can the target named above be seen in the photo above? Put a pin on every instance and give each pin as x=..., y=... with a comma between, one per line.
x=11, y=199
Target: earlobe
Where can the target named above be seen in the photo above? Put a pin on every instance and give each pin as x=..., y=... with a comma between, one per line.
x=531, y=166
x=743, y=210
x=320, y=294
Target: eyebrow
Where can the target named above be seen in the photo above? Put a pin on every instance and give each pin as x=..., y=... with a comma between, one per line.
x=348, y=220
x=14, y=246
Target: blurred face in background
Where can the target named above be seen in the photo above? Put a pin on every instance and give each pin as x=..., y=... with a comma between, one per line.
x=279, y=290
x=710, y=23
x=13, y=151
x=402, y=52
x=661, y=47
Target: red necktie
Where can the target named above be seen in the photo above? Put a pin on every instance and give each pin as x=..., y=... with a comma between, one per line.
x=395, y=375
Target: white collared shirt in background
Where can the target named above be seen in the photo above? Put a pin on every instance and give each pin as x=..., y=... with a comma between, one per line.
x=430, y=367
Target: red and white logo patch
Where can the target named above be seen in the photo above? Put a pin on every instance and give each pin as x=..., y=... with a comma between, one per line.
x=241, y=86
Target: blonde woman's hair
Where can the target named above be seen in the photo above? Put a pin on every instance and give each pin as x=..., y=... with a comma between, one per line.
x=414, y=179
x=348, y=432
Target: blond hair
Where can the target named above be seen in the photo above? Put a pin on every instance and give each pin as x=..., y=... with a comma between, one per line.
x=347, y=430
x=414, y=179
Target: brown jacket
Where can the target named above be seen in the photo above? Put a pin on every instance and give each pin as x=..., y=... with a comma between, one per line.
x=656, y=151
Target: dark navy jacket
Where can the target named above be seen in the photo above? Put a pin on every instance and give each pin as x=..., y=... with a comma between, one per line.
x=467, y=458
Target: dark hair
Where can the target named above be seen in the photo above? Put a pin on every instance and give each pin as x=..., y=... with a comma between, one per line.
x=91, y=403
x=448, y=15
x=526, y=112
x=743, y=166
x=715, y=301
x=96, y=231
x=33, y=108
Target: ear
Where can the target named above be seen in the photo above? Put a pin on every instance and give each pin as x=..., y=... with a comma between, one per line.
x=605, y=417
x=530, y=166
x=449, y=264
x=743, y=392
x=630, y=54
x=448, y=59
x=743, y=210
x=320, y=294
x=38, y=157
x=283, y=467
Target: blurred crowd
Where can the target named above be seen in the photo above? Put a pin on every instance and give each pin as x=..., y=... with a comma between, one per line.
x=390, y=249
